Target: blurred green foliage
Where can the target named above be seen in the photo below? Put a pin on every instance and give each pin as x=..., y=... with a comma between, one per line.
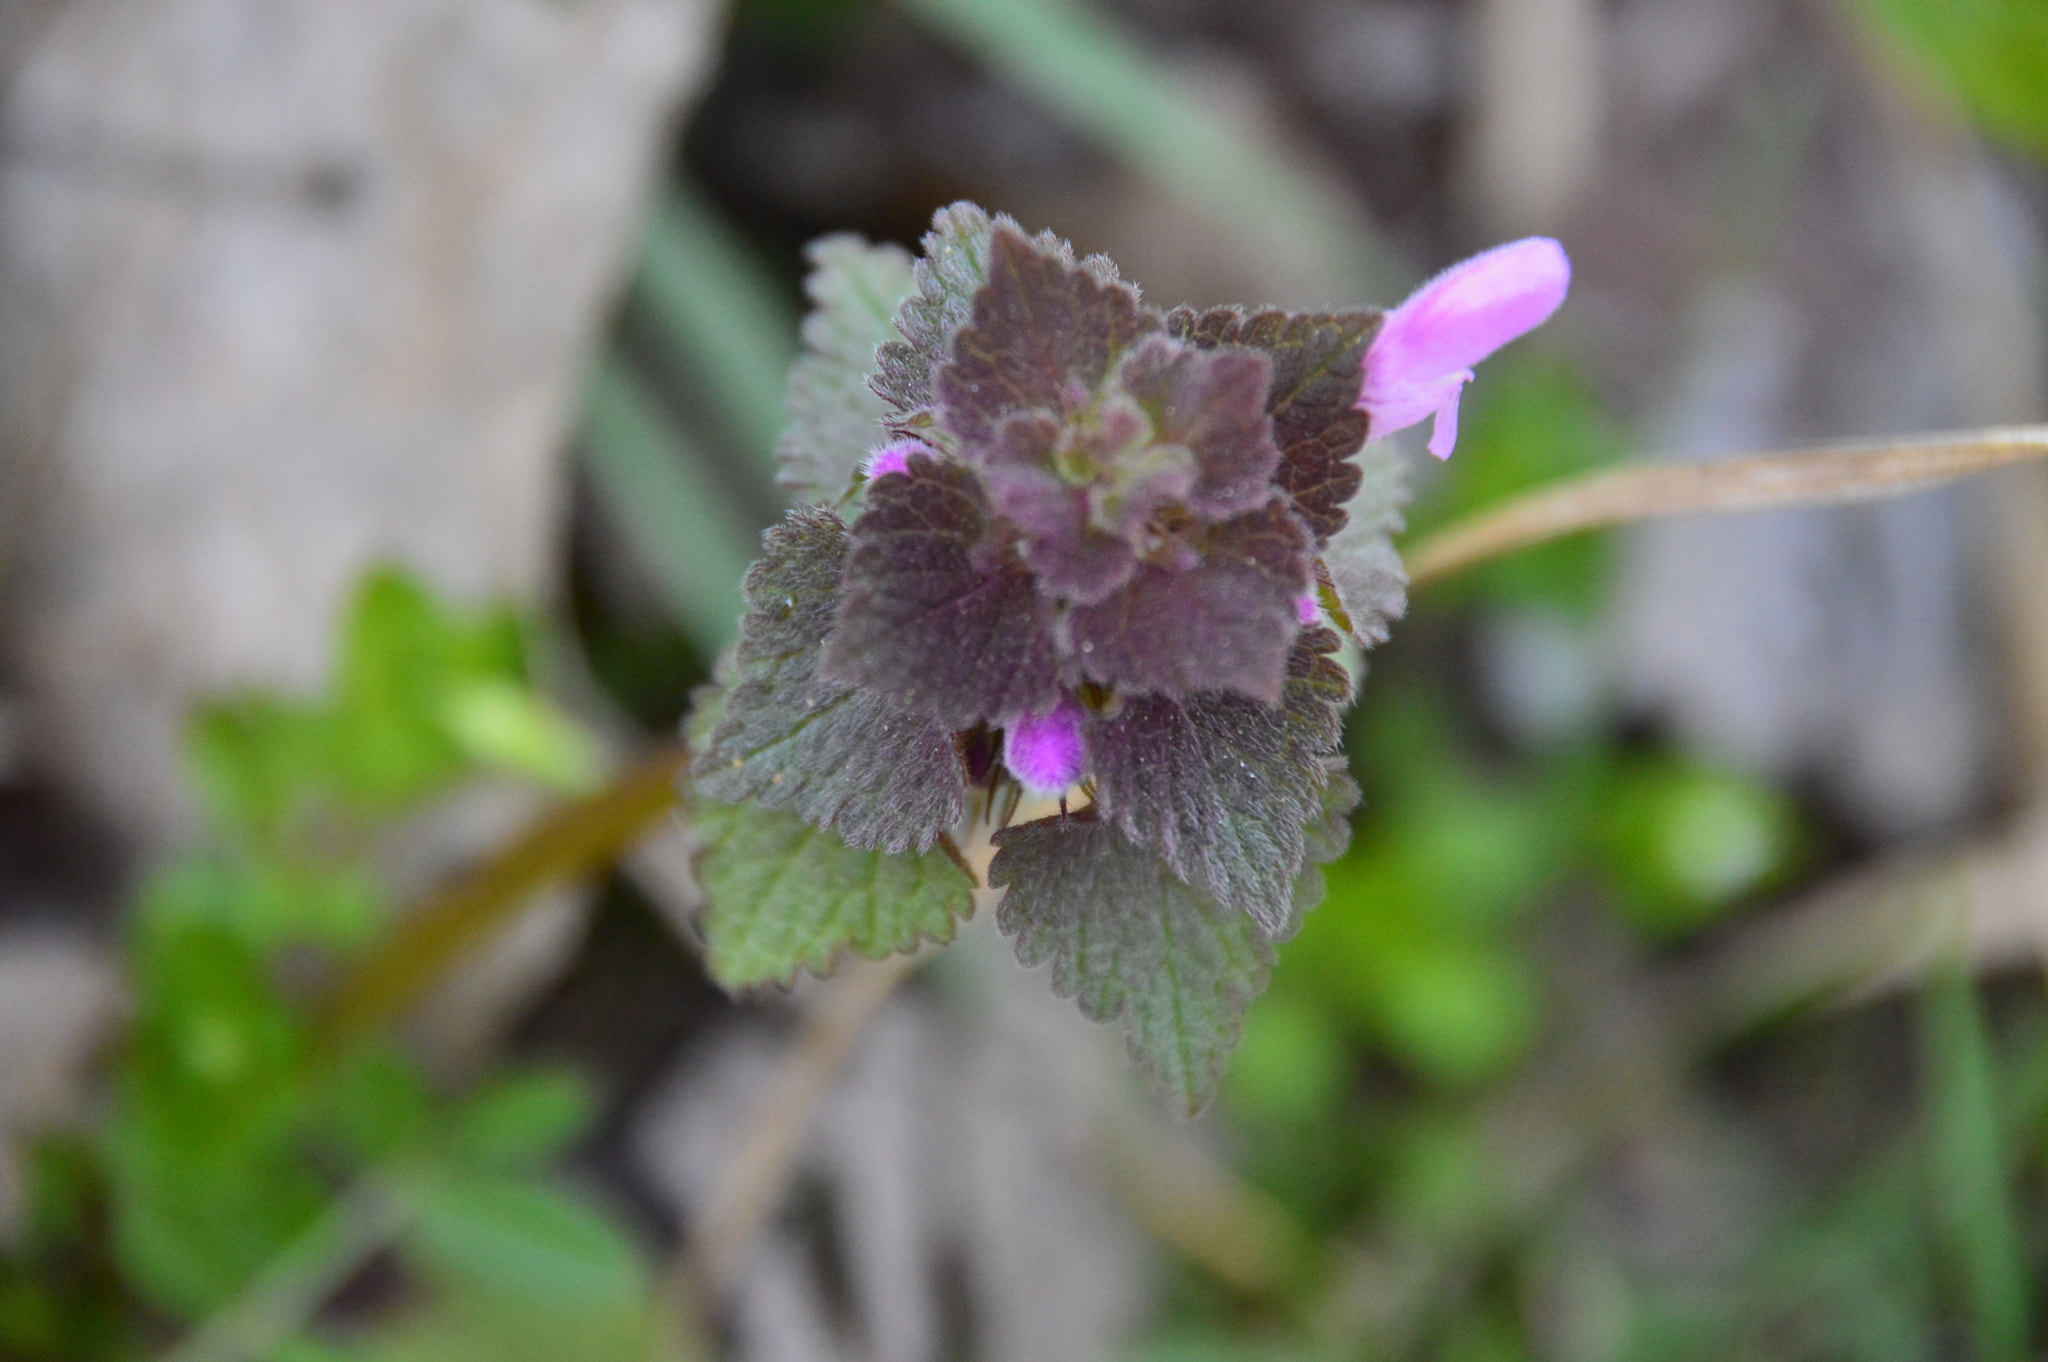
x=1990, y=55
x=233, y=1139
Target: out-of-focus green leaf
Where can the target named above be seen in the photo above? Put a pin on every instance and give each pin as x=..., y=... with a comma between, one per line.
x=498, y=722
x=659, y=490
x=266, y=899
x=524, y=1241
x=1102, y=84
x=521, y=1121
x=1991, y=54
x=1969, y=1183
x=724, y=317
x=1686, y=842
x=1291, y=1067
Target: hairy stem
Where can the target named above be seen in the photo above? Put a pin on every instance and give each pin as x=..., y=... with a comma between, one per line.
x=1810, y=477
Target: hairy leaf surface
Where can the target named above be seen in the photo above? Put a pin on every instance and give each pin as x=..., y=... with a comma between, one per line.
x=835, y=417
x=1223, y=787
x=1041, y=337
x=1226, y=623
x=1361, y=580
x=784, y=896
x=1214, y=405
x=1318, y=368
x=925, y=620
x=951, y=271
x=1129, y=941
x=875, y=772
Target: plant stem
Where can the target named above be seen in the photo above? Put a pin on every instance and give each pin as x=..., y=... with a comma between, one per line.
x=577, y=840
x=1809, y=477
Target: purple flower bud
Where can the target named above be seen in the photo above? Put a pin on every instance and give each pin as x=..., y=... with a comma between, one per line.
x=1306, y=610
x=895, y=458
x=1046, y=752
x=1426, y=347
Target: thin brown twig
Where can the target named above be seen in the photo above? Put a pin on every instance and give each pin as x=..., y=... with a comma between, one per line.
x=752, y=1183
x=1827, y=474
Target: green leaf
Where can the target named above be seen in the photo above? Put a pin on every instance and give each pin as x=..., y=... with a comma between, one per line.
x=841, y=756
x=499, y=722
x=786, y=896
x=1970, y=1184
x=1993, y=54
x=258, y=760
x=523, y=1120
x=524, y=1241
x=1129, y=942
x=835, y=417
x=265, y=899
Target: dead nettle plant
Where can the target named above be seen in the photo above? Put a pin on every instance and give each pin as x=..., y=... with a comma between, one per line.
x=1059, y=613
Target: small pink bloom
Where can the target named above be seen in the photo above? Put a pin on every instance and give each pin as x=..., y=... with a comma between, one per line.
x=1424, y=353
x=1046, y=752
x=894, y=458
x=1306, y=610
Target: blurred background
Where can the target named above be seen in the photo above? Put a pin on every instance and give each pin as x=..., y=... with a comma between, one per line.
x=388, y=402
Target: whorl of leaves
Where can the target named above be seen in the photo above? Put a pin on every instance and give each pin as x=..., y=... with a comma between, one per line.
x=1318, y=368
x=878, y=774
x=1222, y=787
x=835, y=418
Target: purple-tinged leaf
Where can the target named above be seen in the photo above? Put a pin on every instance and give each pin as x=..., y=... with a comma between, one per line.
x=877, y=773
x=1223, y=787
x=1129, y=942
x=1318, y=365
x=1226, y=623
x=932, y=615
x=1041, y=338
x=1073, y=558
x=1213, y=403
x=951, y=271
x=835, y=419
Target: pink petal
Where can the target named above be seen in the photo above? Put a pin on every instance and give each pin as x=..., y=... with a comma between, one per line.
x=1046, y=752
x=895, y=458
x=1426, y=347
x=1306, y=610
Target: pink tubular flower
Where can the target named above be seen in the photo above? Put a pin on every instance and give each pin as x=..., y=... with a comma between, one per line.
x=894, y=458
x=1423, y=356
x=1046, y=752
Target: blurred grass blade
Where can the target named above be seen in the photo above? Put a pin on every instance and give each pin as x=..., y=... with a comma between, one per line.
x=286, y=1295
x=1811, y=477
x=1106, y=87
x=661, y=492
x=723, y=316
x=1973, y=1209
